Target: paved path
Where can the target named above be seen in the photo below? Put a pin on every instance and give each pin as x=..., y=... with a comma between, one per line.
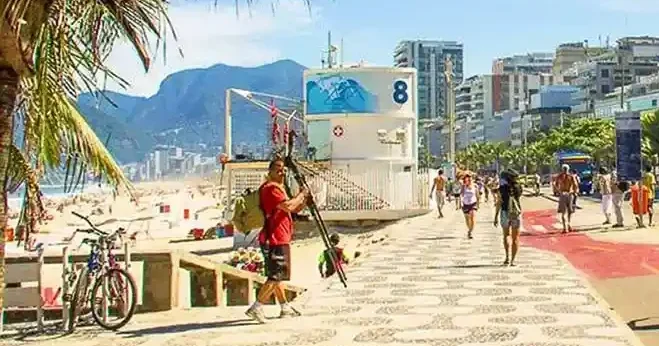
x=427, y=285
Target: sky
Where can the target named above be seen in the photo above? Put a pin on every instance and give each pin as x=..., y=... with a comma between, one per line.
x=212, y=32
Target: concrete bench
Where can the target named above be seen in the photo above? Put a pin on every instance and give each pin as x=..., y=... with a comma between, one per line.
x=23, y=288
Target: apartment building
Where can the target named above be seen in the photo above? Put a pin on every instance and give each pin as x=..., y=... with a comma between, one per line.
x=531, y=63
x=481, y=101
x=429, y=57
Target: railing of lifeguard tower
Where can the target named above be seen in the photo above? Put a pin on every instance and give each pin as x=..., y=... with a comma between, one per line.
x=338, y=190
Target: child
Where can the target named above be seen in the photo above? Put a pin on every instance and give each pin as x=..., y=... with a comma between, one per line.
x=325, y=261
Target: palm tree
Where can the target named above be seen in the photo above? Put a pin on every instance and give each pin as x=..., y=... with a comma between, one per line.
x=49, y=52
x=650, y=126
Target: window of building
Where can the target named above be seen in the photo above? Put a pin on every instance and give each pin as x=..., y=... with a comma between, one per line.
x=604, y=73
x=606, y=88
x=654, y=103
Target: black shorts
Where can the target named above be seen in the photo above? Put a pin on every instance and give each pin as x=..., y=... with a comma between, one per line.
x=468, y=208
x=277, y=262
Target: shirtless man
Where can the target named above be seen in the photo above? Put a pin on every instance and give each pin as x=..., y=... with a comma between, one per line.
x=566, y=185
x=438, y=186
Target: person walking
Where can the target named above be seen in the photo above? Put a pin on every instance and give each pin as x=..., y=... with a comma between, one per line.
x=509, y=211
x=640, y=201
x=604, y=185
x=566, y=186
x=438, y=186
x=457, y=188
x=470, y=198
x=275, y=238
x=650, y=182
x=618, y=189
x=575, y=194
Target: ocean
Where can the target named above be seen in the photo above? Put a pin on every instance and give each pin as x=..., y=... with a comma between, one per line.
x=55, y=192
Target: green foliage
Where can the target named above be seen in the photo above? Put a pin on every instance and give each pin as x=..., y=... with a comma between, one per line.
x=592, y=136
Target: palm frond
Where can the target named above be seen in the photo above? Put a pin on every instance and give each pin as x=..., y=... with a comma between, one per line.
x=18, y=169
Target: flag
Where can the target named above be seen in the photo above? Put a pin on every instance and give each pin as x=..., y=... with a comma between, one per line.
x=273, y=109
x=275, y=132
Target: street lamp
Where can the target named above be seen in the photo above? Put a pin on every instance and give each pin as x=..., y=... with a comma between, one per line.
x=450, y=101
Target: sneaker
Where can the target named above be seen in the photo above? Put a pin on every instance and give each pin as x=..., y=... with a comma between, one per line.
x=289, y=311
x=256, y=314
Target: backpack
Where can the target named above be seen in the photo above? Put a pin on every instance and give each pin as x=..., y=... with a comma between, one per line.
x=247, y=213
x=514, y=208
x=329, y=265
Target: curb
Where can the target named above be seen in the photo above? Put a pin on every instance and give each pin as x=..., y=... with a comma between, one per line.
x=629, y=334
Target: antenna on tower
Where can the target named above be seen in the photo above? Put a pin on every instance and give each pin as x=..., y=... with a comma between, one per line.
x=341, y=52
x=329, y=49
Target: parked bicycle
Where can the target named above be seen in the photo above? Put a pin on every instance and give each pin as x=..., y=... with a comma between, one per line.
x=100, y=282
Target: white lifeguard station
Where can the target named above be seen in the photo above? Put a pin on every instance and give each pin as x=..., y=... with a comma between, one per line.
x=364, y=121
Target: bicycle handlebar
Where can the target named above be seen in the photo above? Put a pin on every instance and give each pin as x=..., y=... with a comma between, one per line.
x=93, y=228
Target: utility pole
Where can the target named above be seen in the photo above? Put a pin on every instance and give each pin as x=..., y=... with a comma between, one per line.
x=621, y=62
x=448, y=74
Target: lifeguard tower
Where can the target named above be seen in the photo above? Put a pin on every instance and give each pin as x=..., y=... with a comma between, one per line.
x=363, y=120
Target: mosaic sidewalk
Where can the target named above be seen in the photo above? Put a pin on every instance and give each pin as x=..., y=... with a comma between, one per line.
x=427, y=285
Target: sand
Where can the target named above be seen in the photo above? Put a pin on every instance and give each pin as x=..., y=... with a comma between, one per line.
x=154, y=230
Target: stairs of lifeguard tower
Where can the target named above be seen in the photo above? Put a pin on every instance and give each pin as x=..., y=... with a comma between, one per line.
x=345, y=184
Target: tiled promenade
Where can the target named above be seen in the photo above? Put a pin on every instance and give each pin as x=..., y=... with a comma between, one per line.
x=428, y=284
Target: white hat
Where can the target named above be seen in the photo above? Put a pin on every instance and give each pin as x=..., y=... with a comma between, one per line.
x=565, y=166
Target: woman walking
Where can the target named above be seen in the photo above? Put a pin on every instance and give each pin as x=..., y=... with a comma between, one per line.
x=470, y=198
x=508, y=210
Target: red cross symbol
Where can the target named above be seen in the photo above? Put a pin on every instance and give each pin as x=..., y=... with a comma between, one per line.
x=338, y=131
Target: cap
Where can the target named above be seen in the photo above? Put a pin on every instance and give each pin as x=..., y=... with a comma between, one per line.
x=565, y=166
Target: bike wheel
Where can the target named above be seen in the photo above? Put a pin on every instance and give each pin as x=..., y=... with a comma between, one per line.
x=121, y=288
x=79, y=298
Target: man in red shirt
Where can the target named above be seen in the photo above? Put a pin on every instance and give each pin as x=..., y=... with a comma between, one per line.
x=275, y=238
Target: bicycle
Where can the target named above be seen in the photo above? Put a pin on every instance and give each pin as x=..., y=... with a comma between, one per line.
x=101, y=278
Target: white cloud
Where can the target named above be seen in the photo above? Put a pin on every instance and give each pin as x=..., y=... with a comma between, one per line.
x=628, y=6
x=209, y=35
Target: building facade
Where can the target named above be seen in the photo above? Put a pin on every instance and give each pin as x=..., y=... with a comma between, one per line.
x=531, y=63
x=482, y=102
x=429, y=57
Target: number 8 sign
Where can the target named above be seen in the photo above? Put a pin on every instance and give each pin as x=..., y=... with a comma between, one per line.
x=400, y=92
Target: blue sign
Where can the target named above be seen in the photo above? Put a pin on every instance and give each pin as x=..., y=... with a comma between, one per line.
x=337, y=93
x=628, y=146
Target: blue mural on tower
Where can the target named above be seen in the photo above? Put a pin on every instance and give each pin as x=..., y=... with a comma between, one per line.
x=335, y=93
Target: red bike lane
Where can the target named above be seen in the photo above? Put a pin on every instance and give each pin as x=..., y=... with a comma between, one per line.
x=597, y=259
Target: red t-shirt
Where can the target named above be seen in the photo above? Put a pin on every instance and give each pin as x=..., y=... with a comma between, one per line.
x=278, y=222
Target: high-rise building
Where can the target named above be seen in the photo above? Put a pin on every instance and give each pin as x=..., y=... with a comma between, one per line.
x=531, y=63
x=428, y=58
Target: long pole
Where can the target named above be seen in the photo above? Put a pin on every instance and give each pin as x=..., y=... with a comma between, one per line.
x=448, y=72
x=227, y=123
x=622, y=85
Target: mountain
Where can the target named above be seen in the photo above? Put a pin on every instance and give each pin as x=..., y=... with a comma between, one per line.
x=188, y=109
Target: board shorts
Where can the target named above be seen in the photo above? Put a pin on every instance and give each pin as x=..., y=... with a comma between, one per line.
x=468, y=208
x=506, y=221
x=565, y=203
x=441, y=198
x=277, y=262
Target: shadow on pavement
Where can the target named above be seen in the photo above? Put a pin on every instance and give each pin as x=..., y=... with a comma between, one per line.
x=180, y=328
x=437, y=238
x=633, y=325
x=467, y=266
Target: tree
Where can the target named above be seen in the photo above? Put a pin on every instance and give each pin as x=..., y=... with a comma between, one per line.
x=650, y=127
